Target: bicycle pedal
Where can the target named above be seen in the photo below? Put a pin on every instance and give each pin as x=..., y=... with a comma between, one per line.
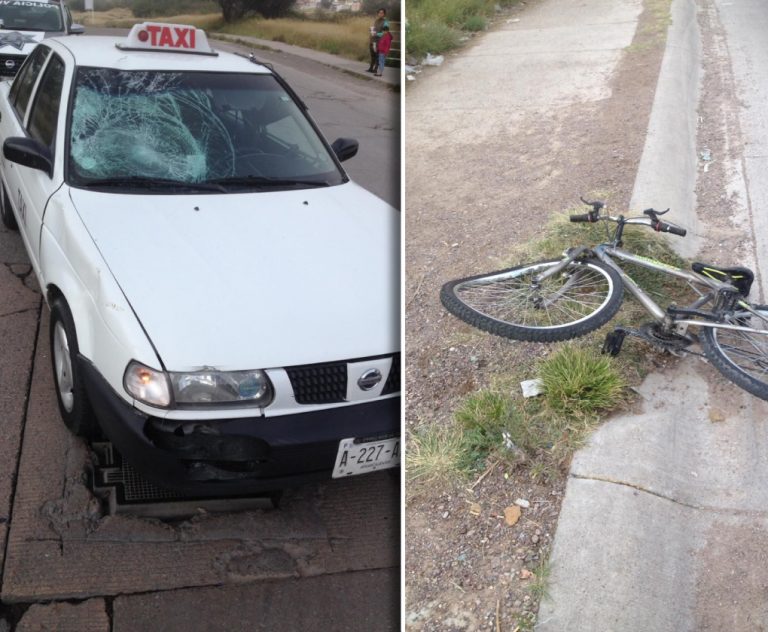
x=613, y=342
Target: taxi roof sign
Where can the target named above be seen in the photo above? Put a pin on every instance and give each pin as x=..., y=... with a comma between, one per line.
x=174, y=38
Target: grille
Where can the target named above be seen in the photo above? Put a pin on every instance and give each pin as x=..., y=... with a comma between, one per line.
x=392, y=384
x=319, y=383
x=10, y=64
x=327, y=383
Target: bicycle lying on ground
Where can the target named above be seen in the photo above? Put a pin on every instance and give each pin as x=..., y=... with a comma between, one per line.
x=568, y=297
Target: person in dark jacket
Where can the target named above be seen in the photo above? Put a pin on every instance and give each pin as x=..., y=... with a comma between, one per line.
x=373, y=40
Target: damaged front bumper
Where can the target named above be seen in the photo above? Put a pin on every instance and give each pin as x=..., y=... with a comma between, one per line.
x=234, y=456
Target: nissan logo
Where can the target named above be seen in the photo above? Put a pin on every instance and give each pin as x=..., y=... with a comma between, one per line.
x=9, y=63
x=369, y=379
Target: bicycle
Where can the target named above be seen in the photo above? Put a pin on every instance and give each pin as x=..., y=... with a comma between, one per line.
x=561, y=299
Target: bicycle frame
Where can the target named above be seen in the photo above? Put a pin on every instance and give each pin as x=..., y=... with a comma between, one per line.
x=606, y=253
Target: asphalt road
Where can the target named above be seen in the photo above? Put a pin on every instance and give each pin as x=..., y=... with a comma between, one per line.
x=67, y=565
x=746, y=23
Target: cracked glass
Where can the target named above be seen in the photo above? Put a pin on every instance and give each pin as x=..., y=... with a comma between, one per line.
x=191, y=127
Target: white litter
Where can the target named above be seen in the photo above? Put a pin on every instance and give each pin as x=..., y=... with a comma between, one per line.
x=532, y=388
x=433, y=60
x=522, y=502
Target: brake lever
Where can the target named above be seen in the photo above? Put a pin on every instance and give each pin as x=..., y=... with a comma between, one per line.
x=597, y=206
x=652, y=213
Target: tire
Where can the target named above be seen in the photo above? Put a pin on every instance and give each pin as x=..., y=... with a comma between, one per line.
x=75, y=409
x=582, y=298
x=6, y=213
x=740, y=356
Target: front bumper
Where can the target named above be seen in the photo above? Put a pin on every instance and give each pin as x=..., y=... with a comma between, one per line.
x=234, y=456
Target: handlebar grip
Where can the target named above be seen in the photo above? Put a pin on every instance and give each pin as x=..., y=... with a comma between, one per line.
x=671, y=228
x=585, y=217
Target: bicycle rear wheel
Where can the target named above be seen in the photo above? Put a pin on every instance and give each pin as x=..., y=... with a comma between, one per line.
x=508, y=303
x=741, y=356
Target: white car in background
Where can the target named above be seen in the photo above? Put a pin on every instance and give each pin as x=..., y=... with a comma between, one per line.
x=25, y=23
x=224, y=300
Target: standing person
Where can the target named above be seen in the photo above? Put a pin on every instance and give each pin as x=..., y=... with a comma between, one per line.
x=382, y=47
x=376, y=31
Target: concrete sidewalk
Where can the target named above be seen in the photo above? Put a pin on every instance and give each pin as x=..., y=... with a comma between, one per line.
x=665, y=521
x=390, y=77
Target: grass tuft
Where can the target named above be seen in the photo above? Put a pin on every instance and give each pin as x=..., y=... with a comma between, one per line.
x=580, y=383
x=433, y=455
x=475, y=23
x=539, y=585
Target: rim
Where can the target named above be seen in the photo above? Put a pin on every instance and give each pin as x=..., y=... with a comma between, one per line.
x=746, y=352
x=480, y=295
x=62, y=363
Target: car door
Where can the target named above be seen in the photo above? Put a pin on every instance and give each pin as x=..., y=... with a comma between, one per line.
x=14, y=111
x=34, y=187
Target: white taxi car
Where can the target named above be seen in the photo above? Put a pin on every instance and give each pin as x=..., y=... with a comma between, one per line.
x=224, y=300
x=24, y=24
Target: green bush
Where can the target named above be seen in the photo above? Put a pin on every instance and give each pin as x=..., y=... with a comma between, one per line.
x=430, y=37
x=475, y=23
x=370, y=7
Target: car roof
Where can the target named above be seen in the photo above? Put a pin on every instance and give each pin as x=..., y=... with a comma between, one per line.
x=102, y=52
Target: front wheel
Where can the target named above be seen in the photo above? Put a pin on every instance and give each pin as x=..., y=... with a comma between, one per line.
x=510, y=303
x=71, y=395
x=741, y=356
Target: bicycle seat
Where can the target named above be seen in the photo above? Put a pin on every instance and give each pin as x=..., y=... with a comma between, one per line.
x=738, y=277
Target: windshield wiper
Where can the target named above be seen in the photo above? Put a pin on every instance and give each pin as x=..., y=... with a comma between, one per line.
x=153, y=183
x=264, y=182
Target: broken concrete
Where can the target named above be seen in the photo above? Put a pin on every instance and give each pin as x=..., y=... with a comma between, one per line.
x=329, y=604
x=61, y=546
x=88, y=616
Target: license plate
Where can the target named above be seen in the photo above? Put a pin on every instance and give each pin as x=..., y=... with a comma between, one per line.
x=356, y=457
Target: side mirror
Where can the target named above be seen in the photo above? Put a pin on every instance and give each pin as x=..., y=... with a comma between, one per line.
x=29, y=153
x=76, y=29
x=345, y=148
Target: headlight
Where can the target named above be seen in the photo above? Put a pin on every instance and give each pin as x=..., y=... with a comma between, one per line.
x=222, y=387
x=200, y=388
x=147, y=385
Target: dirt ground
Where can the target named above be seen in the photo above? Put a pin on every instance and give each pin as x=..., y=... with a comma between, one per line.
x=465, y=212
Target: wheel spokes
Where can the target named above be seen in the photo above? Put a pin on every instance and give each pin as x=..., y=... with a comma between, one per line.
x=563, y=299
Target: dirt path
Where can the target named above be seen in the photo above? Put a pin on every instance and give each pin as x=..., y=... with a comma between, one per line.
x=552, y=103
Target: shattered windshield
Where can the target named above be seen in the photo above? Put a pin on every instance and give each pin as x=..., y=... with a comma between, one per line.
x=24, y=15
x=193, y=128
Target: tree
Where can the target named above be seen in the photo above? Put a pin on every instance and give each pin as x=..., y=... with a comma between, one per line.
x=233, y=10
x=370, y=7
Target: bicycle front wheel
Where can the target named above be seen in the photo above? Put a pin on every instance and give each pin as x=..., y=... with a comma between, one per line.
x=741, y=356
x=510, y=303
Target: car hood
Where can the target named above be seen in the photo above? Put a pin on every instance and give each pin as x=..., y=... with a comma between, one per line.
x=15, y=42
x=254, y=280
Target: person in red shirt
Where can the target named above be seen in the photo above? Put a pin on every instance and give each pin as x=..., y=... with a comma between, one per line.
x=382, y=47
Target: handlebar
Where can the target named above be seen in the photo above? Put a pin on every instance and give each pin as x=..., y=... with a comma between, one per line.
x=651, y=219
x=664, y=227
x=586, y=217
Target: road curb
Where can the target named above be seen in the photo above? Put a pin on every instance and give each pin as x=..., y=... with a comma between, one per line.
x=390, y=78
x=666, y=177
